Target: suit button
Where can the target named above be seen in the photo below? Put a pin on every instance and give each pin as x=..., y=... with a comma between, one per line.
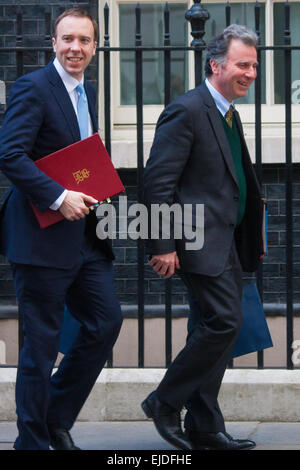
x=231, y=225
x=236, y=198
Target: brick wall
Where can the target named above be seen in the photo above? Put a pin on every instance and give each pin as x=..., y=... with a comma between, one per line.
x=274, y=264
x=33, y=35
x=126, y=253
x=274, y=284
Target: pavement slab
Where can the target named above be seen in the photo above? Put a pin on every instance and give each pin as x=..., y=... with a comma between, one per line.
x=142, y=435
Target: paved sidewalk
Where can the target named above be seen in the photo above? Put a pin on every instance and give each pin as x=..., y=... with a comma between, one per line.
x=141, y=435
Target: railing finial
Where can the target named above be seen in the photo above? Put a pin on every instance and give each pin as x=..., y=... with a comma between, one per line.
x=197, y=16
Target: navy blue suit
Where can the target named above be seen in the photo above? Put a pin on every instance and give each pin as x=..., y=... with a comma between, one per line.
x=63, y=264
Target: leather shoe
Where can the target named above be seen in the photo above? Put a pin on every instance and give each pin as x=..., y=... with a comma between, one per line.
x=60, y=439
x=217, y=441
x=167, y=422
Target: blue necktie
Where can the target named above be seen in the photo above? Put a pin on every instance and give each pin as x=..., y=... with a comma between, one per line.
x=83, y=112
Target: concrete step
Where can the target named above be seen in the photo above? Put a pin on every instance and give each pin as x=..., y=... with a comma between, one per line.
x=245, y=395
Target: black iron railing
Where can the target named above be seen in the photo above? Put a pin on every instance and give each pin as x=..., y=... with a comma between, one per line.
x=197, y=16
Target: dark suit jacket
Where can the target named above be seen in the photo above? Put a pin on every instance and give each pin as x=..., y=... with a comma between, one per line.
x=191, y=163
x=39, y=120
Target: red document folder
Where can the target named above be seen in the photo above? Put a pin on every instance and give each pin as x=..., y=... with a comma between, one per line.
x=85, y=167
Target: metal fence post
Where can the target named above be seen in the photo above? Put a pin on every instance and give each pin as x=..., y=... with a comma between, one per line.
x=19, y=43
x=197, y=16
x=140, y=179
x=289, y=186
x=168, y=282
x=258, y=152
x=48, y=54
x=106, y=76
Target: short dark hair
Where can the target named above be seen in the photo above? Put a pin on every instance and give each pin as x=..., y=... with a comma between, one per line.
x=217, y=49
x=79, y=12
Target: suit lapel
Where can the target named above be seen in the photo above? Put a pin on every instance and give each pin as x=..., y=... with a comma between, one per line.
x=217, y=126
x=62, y=97
x=91, y=103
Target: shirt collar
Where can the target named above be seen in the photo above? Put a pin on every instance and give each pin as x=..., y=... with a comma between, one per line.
x=221, y=102
x=70, y=82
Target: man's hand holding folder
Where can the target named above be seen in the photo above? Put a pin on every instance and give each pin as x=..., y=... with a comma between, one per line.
x=75, y=206
x=86, y=171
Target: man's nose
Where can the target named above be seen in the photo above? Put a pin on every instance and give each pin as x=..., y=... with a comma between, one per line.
x=251, y=72
x=75, y=46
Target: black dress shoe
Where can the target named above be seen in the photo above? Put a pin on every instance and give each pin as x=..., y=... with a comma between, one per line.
x=167, y=422
x=60, y=439
x=217, y=441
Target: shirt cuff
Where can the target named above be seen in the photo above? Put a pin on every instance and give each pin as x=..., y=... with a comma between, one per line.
x=56, y=204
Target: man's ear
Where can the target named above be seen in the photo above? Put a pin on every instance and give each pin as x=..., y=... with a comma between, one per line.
x=95, y=47
x=54, y=44
x=214, y=66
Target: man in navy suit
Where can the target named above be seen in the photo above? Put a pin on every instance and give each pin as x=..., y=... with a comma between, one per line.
x=64, y=264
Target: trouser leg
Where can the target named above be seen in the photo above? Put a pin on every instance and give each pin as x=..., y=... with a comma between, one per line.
x=42, y=292
x=199, y=368
x=92, y=301
x=41, y=304
x=203, y=411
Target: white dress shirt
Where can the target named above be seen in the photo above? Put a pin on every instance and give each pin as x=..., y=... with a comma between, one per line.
x=70, y=83
x=221, y=102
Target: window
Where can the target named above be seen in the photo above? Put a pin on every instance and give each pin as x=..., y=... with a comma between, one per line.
x=122, y=33
x=152, y=27
x=279, y=56
x=241, y=13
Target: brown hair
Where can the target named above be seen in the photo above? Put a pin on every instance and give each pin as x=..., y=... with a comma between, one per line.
x=79, y=12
